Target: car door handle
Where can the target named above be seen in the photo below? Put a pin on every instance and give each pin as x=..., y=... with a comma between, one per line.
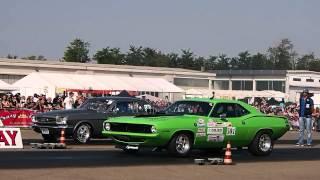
x=243, y=122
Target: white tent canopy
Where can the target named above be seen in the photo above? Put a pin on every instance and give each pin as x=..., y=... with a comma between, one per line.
x=48, y=83
x=5, y=86
x=234, y=93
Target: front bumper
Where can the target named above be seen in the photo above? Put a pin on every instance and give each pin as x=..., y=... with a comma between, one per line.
x=53, y=130
x=138, y=139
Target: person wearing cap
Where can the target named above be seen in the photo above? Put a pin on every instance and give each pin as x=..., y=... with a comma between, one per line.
x=305, y=118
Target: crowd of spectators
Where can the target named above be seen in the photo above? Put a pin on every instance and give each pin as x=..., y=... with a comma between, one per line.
x=42, y=103
x=290, y=110
x=39, y=103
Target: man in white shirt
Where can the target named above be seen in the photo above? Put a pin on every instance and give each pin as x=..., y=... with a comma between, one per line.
x=69, y=101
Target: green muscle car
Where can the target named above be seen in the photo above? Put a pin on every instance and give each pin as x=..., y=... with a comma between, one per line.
x=199, y=124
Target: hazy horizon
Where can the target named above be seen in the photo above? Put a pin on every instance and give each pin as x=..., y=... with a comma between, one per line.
x=207, y=27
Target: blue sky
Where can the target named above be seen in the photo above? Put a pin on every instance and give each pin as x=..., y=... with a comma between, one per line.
x=207, y=27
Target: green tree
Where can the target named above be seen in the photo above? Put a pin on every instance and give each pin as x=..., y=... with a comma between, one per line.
x=211, y=62
x=223, y=62
x=135, y=56
x=173, y=59
x=109, y=56
x=153, y=57
x=303, y=63
x=314, y=65
x=260, y=61
x=187, y=59
x=244, y=61
x=9, y=56
x=282, y=55
x=77, y=51
x=33, y=57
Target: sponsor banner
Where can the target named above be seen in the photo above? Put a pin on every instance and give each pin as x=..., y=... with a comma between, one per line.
x=10, y=138
x=16, y=118
x=215, y=131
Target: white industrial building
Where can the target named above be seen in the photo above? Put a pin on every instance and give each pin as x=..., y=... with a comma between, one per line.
x=226, y=83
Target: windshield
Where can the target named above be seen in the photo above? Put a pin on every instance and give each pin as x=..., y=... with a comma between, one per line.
x=189, y=107
x=101, y=105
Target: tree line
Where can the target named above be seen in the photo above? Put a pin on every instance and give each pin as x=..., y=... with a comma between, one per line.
x=282, y=56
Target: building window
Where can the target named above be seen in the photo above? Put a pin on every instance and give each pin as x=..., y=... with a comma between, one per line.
x=262, y=85
x=221, y=84
x=296, y=79
x=191, y=82
x=271, y=85
x=242, y=85
x=310, y=80
x=10, y=79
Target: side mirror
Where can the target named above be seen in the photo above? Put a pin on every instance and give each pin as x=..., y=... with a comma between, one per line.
x=223, y=116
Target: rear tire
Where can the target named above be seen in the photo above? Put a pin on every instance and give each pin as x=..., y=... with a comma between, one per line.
x=262, y=144
x=180, y=145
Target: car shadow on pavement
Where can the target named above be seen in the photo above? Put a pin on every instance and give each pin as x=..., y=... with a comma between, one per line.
x=35, y=159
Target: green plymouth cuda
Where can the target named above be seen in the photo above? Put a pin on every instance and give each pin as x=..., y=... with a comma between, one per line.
x=199, y=124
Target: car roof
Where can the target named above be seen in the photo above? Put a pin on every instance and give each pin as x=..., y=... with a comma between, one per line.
x=113, y=98
x=215, y=101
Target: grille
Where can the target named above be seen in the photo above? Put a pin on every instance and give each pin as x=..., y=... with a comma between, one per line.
x=134, y=128
x=46, y=119
x=128, y=139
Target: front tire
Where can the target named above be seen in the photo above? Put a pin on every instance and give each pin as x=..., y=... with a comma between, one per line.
x=180, y=145
x=262, y=144
x=82, y=134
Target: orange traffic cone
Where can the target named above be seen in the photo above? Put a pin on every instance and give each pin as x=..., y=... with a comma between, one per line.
x=62, y=139
x=227, y=158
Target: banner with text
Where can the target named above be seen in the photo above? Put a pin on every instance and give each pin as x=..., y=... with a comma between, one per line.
x=16, y=117
x=10, y=138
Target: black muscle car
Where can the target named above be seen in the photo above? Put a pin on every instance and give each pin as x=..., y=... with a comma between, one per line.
x=86, y=121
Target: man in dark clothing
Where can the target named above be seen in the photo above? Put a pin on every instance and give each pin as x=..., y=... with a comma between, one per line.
x=212, y=97
x=305, y=118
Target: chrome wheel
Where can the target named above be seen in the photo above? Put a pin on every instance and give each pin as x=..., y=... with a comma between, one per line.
x=265, y=143
x=83, y=133
x=182, y=144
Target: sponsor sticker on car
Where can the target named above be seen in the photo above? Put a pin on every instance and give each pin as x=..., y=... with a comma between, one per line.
x=215, y=138
x=201, y=123
x=201, y=130
x=231, y=131
x=211, y=123
x=215, y=131
x=200, y=134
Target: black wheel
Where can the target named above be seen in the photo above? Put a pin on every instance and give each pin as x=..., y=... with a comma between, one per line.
x=262, y=144
x=180, y=144
x=49, y=138
x=82, y=133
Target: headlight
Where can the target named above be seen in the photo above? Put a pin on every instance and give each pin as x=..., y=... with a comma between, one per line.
x=153, y=129
x=61, y=120
x=33, y=119
x=107, y=126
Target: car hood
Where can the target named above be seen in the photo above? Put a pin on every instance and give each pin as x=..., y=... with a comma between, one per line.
x=150, y=120
x=64, y=113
